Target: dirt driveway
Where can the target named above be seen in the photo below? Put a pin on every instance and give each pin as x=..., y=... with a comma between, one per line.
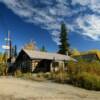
x=18, y=89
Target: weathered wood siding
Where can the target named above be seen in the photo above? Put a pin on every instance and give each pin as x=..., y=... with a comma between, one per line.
x=23, y=63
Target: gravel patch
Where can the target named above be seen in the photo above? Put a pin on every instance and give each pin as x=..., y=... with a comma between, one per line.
x=19, y=89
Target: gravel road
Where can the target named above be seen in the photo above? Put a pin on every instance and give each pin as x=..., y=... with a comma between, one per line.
x=19, y=89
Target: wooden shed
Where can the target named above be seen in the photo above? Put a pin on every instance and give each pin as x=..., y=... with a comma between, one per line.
x=37, y=61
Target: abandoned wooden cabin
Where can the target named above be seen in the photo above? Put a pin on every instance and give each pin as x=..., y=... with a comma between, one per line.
x=37, y=61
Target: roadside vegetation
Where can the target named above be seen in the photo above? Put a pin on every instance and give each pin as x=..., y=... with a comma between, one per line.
x=84, y=74
x=3, y=65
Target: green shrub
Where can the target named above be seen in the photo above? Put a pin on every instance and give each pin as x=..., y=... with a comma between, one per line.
x=3, y=69
x=18, y=73
x=59, y=76
x=40, y=75
x=84, y=74
x=47, y=75
x=82, y=66
x=88, y=81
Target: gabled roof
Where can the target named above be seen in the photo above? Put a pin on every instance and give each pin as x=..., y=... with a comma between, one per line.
x=45, y=55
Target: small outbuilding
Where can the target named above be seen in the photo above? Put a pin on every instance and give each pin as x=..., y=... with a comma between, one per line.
x=37, y=61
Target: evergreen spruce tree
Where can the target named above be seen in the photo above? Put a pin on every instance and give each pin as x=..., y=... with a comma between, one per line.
x=64, y=45
x=43, y=49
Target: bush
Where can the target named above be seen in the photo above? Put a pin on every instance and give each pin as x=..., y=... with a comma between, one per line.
x=83, y=66
x=59, y=76
x=3, y=69
x=27, y=76
x=18, y=73
x=42, y=75
x=84, y=74
x=47, y=75
x=88, y=81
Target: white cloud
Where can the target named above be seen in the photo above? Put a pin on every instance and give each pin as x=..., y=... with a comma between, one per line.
x=90, y=23
x=90, y=26
x=82, y=2
x=54, y=12
x=94, y=5
x=46, y=17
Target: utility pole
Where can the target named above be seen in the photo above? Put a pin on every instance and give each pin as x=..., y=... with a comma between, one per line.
x=8, y=45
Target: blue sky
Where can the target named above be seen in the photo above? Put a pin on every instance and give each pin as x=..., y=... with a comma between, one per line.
x=40, y=20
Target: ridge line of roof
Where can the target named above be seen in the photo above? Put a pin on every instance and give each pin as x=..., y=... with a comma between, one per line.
x=45, y=52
